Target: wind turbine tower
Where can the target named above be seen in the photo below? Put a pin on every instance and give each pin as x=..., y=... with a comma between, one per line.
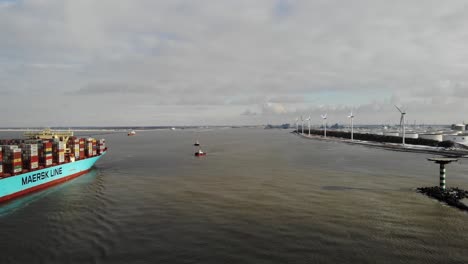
x=308, y=119
x=351, y=116
x=297, y=125
x=302, y=120
x=402, y=123
x=324, y=124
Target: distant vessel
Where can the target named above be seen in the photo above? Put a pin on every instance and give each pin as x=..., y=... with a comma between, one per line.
x=200, y=153
x=131, y=133
x=196, y=143
x=44, y=159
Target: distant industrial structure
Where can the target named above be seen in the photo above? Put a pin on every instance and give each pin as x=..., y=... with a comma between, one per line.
x=457, y=133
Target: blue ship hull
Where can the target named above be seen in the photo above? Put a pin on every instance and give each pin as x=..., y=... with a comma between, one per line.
x=21, y=184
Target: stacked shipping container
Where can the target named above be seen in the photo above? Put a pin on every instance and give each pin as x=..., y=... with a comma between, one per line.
x=12, y=158
x=82, y=148
x=17, y=163
x=17, y=156
x=59, y=152
x=94, y=147
x=73, y=146
x=101, y=146
x=89, y=147
x=76, y=149
x=30, y=156
x=46, y=158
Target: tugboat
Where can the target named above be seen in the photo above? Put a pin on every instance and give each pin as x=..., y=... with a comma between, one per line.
x=200, y=153
x=196, y=143
x=131, y=133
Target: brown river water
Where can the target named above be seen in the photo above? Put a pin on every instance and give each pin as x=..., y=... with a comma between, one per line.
x=259, y=196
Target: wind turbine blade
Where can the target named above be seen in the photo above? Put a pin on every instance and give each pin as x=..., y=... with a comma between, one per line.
x=398, y=109
x=401, y=120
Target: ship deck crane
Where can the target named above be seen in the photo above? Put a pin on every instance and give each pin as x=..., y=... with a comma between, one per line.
x=51, y=134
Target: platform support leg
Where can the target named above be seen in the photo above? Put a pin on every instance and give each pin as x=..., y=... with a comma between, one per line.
x=442, y=176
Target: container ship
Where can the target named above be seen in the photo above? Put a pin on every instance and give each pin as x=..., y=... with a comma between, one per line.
x=45, y=158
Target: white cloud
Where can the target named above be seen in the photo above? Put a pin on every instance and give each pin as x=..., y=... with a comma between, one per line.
x=273, y=108
x=248, y=112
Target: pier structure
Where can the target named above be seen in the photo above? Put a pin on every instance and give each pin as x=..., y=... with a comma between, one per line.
x=442, y=162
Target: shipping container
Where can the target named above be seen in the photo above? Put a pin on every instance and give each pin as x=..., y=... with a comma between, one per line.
x=76, y=151
x=82, y=148
x=89, y=147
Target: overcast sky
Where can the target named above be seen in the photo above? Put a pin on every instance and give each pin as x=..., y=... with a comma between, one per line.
x=220, y=62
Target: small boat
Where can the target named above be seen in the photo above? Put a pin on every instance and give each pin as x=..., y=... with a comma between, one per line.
x=200, y=153
x=131, y=133
x=196, y=143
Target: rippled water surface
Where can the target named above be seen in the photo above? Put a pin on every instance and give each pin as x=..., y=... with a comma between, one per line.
x=260, y=196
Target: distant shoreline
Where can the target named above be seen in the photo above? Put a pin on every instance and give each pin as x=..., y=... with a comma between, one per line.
x=74, y=130
x=123, y=128
x=393, y=146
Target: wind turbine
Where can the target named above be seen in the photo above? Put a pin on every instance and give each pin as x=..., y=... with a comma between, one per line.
x=351, y=116
x=324, y=124
x=308, y=119
x=297, y=125
x=402, y=123
x=302, y=120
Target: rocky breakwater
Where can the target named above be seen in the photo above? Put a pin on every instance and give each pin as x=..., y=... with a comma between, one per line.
x=450, y=196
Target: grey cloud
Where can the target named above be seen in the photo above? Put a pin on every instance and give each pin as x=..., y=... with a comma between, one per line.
x=63, y=66
x=248, y=112
x=236, y=55
x=8, y=91
x=197, y=99
x=111, y=89
x=444, y=89
x=246, y=99
x=289, y=99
